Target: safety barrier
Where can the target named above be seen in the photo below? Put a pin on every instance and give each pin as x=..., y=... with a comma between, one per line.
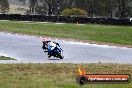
x=67, y=19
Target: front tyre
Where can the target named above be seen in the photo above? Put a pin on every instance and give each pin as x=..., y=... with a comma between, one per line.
x=60, y=56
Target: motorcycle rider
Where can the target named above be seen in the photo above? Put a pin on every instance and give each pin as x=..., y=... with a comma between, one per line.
x=49, y=46
x=45, y=43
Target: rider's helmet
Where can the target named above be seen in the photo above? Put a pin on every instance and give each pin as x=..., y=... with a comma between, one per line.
x=44, y=40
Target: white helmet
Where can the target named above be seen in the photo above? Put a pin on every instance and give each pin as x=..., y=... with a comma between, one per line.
x=44, y=40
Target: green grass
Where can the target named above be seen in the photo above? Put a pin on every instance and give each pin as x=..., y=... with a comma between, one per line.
x=6, y=58
x=56, y=75
x=121, y=35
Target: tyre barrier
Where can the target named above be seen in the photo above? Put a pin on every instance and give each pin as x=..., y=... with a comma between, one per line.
x=67, y=19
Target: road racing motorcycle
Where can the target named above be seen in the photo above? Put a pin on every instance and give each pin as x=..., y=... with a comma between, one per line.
x=56, y=50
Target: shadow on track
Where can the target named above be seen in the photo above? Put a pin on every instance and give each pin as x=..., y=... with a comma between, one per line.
x=54, y=59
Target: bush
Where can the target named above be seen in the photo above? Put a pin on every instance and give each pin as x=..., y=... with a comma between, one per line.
x=73, y=11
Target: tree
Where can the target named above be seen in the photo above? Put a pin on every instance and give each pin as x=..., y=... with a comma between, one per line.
x=124, y=8
x=67, y=4
x=51, y=6
x=32, y=5
x=106, y=8
x=85, y=5
x=35, y=6
x=74, y=11
x=41, y=8
x=56, y=6
x=4, y=6
x=23, y=1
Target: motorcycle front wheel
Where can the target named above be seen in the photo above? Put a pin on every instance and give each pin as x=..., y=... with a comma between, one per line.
x=60, y=56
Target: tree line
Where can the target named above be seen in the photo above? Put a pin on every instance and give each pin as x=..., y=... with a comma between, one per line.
x=94, y=8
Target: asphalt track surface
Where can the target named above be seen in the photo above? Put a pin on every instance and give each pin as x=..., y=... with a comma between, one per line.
x=27, y=49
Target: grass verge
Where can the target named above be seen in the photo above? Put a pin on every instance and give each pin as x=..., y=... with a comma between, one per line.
x=57, y=75
x=6, y=58
x=100, y=33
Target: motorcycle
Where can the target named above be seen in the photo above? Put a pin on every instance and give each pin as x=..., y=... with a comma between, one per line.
x=56, y=51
